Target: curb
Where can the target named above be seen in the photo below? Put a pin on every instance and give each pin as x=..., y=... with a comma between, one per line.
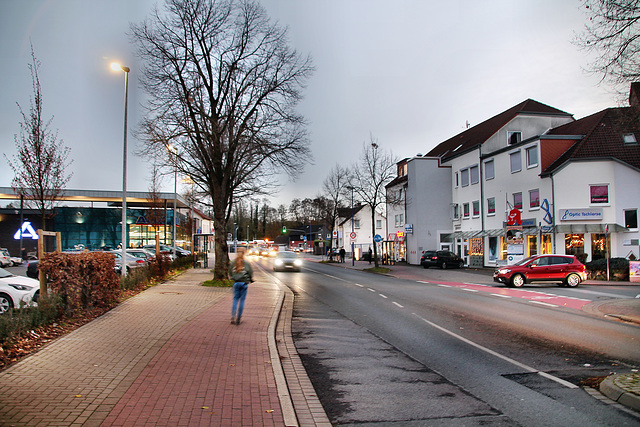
x=610, y=388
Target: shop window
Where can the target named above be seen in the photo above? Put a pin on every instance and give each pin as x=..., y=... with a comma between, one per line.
x=489, y=170
x=545, y=244
x=517, y=200
x=534, y=199
x=599, y=194
x=631, y=218
x=475, y=247
x=491, y=206
x=598, y=246
x=474, y=174
x=493, y=248
x=532, y=245
x=574, y=244
x=516, y=162
x=532, y=156
x=465, y=210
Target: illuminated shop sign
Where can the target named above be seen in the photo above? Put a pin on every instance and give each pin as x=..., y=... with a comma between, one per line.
x=27, y=232
x=580, y=214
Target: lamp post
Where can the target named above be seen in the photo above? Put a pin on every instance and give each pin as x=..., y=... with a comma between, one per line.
x=353, y=245
x=117, y=67
x=174, y=150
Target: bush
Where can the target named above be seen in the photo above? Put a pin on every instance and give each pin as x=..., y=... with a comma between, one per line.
x=83, y=280
x=16, y=322
x=618, y=269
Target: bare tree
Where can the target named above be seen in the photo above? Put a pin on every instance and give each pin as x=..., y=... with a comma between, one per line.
x=333, y=188
x=613, y=32
x=155, y=214
x=375, y=169
x=41, y=158
x=223, y=86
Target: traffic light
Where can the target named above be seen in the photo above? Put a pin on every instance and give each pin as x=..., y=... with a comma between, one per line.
x=284, y=229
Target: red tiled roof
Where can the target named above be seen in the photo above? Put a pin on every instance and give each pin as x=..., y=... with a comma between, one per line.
x=602, y=133
x=480, y=133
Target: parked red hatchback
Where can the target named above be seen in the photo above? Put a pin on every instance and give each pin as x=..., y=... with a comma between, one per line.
x=565, y=269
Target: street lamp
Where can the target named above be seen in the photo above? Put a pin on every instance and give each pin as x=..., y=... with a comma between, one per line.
x=174, y=150
x=117, y=67
x=353, y=248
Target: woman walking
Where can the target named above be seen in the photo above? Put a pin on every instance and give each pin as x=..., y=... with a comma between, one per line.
x=242, y=274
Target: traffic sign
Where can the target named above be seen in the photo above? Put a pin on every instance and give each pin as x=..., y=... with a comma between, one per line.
x=353, y=235
x=377, y=238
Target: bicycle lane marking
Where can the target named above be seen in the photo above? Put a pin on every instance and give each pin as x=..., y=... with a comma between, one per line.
x=533, y=296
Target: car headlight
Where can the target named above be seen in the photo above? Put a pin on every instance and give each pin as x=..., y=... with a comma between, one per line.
x=279, y=262
x=504, y=271
x=20, y=287
x=297, y=262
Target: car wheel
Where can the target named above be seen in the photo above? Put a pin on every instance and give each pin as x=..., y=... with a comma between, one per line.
x=461, y=265
x=6, y=303
x=572, y=280
x=443, y=265
x=517, y=280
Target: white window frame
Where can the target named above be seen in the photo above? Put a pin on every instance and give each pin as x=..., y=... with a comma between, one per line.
x=624, y=214
x=607, y=203
x=466, y=212
x=464, y=172
x=494, y=206
x=474, y=178
x=378, y=223
x=511, y=157
x=473, y=208
x=492, y=175
x=534, y=149
x=521, y=200
x=510, y=134
x=534, y=208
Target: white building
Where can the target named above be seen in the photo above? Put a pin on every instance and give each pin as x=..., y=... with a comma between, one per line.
x=362, y=227
x=573, y=183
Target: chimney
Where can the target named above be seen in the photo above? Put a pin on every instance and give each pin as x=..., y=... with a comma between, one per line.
x=634, y=95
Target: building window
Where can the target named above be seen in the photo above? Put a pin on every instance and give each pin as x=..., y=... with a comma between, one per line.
x=399, y=220
x=534, y=199
x=464, y=175
x=629, y=138
x=474, y=174
x=532, y=156
x=476, y=208
x=517, y=200
x=631, y=218
x=514, y=137
x=599, y=194
x=456, y=211
x=489, y=170
x=457, y=180
x=465, y=210
x=516, y=162
x=378, y=223
x=356, y=223
x=598, y=246
x=491, y=206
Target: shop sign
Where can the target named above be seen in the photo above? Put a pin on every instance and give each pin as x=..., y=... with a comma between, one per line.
x=27, y=232
x=408, y=228
x=593, y=214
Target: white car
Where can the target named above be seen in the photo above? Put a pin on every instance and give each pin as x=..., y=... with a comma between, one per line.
x=5, y=259
x=15, y=290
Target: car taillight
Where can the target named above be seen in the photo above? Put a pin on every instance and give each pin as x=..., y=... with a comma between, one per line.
x=139, y=261
x=434, y=257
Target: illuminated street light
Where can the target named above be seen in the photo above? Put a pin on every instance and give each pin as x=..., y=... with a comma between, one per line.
x=117, y=67
x=174, y=150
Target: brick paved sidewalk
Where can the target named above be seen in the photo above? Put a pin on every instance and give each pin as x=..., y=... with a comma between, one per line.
x=165, y=357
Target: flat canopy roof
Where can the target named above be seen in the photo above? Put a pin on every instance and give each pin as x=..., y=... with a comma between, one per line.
x=134, y=198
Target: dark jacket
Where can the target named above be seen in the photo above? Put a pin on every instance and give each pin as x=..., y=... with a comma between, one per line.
x=245, y=276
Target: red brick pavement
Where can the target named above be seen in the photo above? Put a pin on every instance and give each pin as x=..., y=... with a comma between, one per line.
x=210, y=372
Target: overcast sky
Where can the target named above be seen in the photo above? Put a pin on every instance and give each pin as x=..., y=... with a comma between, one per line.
x=409, y=72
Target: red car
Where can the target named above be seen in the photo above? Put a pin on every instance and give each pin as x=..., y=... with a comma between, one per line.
x=565, y=269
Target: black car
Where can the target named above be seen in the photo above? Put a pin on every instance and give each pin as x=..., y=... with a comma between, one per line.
x=442, y=259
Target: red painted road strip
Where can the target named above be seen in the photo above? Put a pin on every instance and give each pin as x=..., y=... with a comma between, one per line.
x=534, y=296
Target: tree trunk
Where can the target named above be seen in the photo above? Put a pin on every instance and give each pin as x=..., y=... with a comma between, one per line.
x=221, y=264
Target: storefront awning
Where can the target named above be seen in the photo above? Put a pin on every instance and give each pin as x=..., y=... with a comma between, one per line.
x=589, y=228
x=465, y=234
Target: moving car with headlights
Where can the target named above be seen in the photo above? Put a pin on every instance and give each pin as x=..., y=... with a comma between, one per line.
x=565, y=269
x=287, y=261
x=442, y=259
x=16, y=291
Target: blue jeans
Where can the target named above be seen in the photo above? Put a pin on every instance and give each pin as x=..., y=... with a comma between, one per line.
x=239, y=295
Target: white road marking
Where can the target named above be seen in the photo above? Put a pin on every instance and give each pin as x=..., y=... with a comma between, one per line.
x=399, y=305
x=372, y=290
x=383, y=296
x=546, y=304
x=470, y=290
x=501, y=296
x=357, y=284
x=496, y=354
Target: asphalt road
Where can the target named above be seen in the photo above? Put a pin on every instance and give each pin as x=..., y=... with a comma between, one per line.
x=444, y=352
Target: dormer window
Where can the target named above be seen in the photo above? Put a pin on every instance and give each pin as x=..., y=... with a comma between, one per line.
x=629, y=138
x=514, y=137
